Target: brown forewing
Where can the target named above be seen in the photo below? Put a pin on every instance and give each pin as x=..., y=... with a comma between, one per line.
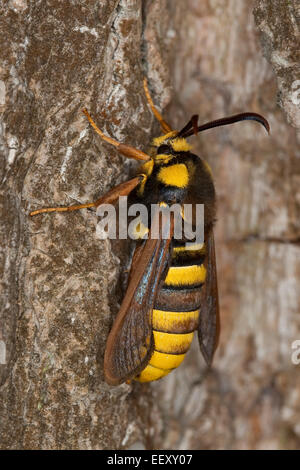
x=130, y=342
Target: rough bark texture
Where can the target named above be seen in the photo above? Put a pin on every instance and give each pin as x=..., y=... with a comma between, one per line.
x=61, y=285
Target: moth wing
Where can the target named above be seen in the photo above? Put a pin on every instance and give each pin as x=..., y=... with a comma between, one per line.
x=209, y=318
x=130, y=343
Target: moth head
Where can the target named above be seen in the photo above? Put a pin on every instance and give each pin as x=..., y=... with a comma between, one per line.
x=174, y=142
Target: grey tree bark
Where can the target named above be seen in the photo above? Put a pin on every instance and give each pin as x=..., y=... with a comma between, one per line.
x=61, y=285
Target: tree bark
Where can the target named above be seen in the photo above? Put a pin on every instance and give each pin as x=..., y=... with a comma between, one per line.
x=61, y=286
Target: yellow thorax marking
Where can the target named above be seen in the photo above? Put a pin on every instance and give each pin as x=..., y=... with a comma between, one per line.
x=180, y=145
x=163, y=158
x=174, y=175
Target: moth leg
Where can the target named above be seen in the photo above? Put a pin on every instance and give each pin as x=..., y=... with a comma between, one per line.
x=126, y=150
x=164, y=125
x=110, y=197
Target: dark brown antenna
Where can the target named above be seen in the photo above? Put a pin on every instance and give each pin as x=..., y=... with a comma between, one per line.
x=193, y=123
x=224, y=122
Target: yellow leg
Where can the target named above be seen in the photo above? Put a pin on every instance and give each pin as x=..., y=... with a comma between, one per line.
x=125, y=150
x=164, y=125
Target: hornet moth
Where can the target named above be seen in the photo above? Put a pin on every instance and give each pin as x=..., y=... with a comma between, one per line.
x=172, y=287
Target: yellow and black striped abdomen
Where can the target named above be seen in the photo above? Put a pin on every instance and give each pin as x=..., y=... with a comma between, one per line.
x=176, y=313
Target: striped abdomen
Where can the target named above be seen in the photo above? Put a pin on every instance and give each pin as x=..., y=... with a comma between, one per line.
x=176, y=312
